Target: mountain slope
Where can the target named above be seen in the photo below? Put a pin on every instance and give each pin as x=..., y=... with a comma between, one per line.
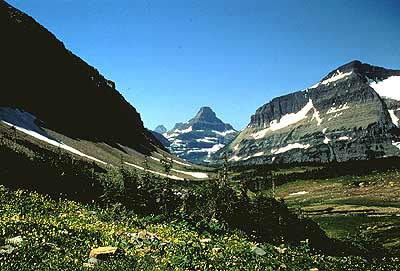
x=53, y=102
x=42, y=77
x=351, y=114
x=200, y=137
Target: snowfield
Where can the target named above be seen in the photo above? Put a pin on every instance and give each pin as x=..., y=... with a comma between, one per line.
x=25, y=119
x=334, y=109
x=289, y=119
x=290, y=147
x=389, y=87
x=155, y=172
x=337, y=76
x=394, y=118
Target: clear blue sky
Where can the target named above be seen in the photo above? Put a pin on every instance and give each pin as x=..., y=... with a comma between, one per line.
x=170, y=57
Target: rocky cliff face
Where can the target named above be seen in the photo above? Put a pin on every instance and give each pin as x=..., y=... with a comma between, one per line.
x=40, y=76
x=351, y=114
x=200, y=137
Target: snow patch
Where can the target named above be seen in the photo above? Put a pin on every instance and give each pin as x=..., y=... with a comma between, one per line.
x=335, y=109
x=326, y=140
x=299, y=193
x=338, y=75
x=335, y=116
x=234, y=158
x=396, y=144
x=207, y=139
x=316, y=117
x=389, y=87
x=211, y=150
x=53, y=142
x=155, y=172
x=290, y=147
x=344, y=138
x=224, y=133
x=286, y=120
x=394, y=118
x=198, y=175
x=258, y=154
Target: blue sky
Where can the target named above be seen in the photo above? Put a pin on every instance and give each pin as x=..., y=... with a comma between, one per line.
x=170, y=57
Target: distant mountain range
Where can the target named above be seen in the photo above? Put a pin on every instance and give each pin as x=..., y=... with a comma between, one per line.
x=351, y=114
x=200, y=137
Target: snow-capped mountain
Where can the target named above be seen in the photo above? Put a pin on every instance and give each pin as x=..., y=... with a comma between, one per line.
x=351, y=114
x=200, y=137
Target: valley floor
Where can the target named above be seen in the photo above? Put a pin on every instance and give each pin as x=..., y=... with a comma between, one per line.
x=38, y=233
x=365, y=208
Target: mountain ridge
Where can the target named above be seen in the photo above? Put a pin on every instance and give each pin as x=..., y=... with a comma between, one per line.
x=345, y=111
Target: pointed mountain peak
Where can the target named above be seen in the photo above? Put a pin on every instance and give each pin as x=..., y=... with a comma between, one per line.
x=160, y=129
x=206, y=113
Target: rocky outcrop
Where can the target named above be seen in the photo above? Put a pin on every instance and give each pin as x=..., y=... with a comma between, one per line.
x=200, y=137
x=349, y=115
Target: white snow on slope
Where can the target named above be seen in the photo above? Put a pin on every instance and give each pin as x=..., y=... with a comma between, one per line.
x=337, y=76
x=389, y=87
x=53, y=142
x=207, y=140
x=261, y=153
x=394, y=118
x=290, y=147
x=234, y=158
x=316, y=117
x=326, y=140
x=298, y=193
x=155, y=172
x=173, y=160
x=396, y=144
x=198, y=175
x=335, y=109
x=224, y=133
x=286, y=120
x=211, y=150
x=344, y=138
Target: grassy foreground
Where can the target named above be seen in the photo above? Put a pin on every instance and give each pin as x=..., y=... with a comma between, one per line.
x=58, y=235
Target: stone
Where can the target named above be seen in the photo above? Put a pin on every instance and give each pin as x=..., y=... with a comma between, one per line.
x=96, y=252
x=258, y=251
x=16, y=241
x=7, y=249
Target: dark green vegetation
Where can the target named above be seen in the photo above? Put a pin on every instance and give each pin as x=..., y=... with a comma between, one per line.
x=357, y=201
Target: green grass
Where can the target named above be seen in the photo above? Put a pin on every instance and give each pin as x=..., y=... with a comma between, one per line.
x=58, y=235
x=351, y=206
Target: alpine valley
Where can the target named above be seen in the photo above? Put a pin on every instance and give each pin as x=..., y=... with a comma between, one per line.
x=85, y=186
x=351, y=114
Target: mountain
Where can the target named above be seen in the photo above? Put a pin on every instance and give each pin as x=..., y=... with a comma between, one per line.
x=43, y=78
x=200, y=137
x=160, y=129
x=53, y=104
x=351, y=114
x=160, y=137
